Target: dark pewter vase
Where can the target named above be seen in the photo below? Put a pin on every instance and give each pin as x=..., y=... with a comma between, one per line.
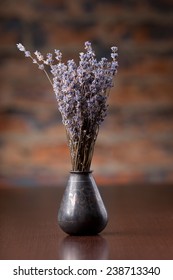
x=82, y=211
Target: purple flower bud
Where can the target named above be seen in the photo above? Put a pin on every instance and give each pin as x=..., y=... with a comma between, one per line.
x=58, y=54
x=41, y=66
x=114, y=55
x=114, y=49
x=27, y=54
x=20, y=47
x=87, y=45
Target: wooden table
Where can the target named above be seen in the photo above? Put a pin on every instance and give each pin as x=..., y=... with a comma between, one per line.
x=140, y=225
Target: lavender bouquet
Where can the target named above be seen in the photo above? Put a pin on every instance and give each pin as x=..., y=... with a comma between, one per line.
x=82, y=91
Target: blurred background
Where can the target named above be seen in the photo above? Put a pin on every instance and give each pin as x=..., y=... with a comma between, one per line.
x=135, y=142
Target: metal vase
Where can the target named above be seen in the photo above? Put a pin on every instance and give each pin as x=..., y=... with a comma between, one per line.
x=82, y=211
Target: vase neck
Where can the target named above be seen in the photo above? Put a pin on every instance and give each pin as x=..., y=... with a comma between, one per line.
x=81, y=172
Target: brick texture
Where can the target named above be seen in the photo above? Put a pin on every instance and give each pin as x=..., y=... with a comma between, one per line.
x=135, y=143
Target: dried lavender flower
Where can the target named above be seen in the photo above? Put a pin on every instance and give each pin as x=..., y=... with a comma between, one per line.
x=27, y=53
x=81, y=91
x=114, y=49
x=21, y=47
x=41, y=67
x=39, y=56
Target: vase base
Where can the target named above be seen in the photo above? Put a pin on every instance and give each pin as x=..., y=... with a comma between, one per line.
x=74, y=228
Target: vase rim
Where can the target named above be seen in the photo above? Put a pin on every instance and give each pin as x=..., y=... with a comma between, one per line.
x=80, y=172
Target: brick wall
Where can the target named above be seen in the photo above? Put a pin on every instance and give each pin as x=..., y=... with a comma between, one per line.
x=135, y=143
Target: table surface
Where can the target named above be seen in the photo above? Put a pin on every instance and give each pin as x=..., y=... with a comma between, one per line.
x=140, y=225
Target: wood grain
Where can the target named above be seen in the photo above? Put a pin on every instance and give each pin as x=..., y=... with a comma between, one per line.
x=140, y=225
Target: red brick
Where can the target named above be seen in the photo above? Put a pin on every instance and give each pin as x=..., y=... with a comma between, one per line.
x=22, y=10
x=13, y=124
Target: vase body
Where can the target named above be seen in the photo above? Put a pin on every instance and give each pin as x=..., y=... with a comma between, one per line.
x=82, y=211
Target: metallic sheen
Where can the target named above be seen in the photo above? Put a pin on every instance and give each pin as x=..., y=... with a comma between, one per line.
x=82, y=211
